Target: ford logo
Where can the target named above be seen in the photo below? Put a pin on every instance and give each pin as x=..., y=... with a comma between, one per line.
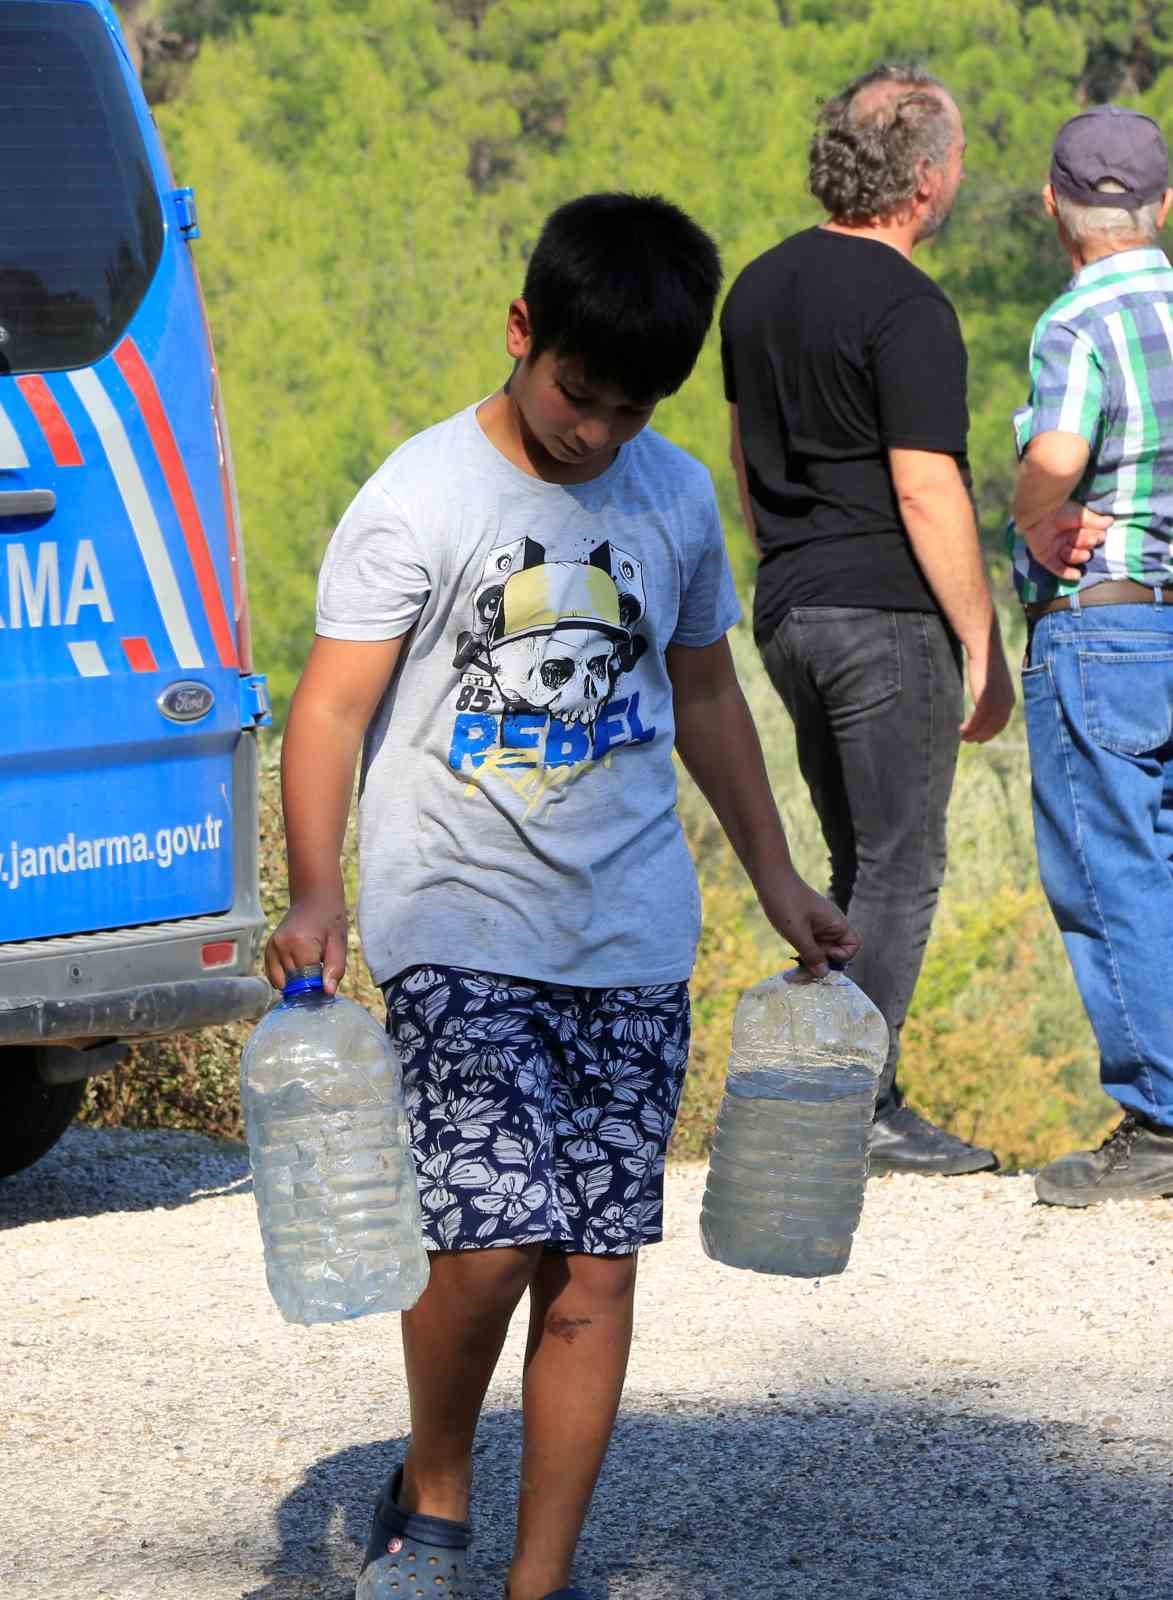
x=186, y=701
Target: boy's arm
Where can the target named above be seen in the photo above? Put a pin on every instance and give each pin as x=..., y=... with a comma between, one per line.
x=339, y=690
x=718, y=743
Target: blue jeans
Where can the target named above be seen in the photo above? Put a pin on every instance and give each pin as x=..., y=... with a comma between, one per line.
x=1098, y=694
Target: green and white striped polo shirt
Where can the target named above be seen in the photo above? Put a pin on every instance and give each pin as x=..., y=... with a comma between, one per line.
x=1101, y=365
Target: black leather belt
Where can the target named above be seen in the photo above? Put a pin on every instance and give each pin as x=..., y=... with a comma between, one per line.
x=1112, y=592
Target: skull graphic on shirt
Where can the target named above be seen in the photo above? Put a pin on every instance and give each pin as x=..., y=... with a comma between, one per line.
x=551, y=636
x=566, y=672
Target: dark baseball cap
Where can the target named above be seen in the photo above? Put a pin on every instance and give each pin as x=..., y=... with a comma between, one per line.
x=1110, y=143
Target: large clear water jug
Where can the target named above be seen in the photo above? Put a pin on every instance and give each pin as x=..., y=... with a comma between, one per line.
x=332, y=1171
x=789, y=1158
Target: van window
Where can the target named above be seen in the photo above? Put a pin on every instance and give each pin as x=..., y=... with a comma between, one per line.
x=83, y=230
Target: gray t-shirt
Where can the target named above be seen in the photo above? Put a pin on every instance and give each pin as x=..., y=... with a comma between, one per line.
x=517, y=810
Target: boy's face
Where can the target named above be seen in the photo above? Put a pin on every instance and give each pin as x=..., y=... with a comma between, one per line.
x=578, y=425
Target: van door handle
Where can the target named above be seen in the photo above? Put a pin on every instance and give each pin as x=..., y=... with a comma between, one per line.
x=27, y=502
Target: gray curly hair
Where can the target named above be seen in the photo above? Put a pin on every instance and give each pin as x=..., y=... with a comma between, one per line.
x=866, y=153
x=1109, y=224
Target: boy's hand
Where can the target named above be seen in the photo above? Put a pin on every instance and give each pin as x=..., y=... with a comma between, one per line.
x=312, y=930
x=818, y=930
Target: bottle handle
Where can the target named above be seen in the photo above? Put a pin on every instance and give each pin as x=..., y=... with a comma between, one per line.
x=802, y=973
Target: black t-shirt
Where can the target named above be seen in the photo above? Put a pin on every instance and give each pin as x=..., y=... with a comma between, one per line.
x=837, y=349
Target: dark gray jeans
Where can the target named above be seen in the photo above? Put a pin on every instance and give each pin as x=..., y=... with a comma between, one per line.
x=876, y=699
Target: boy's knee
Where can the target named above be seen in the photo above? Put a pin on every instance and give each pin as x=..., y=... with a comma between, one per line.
x=505, y=1274
x=492, y=1278
x=601, y=1281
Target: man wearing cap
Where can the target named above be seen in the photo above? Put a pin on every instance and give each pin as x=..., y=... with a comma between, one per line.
x=1098, y=680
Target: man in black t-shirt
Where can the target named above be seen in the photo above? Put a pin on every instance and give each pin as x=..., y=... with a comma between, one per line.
x=845, y=370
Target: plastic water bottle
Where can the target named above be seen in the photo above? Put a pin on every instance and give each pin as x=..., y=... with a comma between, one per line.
x=332, y=1170
x=789, y=1157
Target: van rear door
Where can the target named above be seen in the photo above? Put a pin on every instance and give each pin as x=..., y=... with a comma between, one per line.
x=120, y=588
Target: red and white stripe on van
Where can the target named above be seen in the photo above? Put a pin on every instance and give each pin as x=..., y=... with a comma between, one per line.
x=108, y=425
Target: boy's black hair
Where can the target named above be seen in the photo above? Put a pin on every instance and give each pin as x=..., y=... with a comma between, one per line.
x=627, y=285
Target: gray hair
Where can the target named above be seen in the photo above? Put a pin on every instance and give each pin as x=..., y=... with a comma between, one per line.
x=1108, y=223
x=866, y=157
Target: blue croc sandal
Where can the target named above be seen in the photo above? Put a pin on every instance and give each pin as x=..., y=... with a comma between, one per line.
x=409, y=1555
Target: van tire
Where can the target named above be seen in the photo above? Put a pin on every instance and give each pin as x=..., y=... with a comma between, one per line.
x=33, y=1114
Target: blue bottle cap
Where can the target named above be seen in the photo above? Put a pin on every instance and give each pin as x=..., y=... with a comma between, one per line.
x=304, y=980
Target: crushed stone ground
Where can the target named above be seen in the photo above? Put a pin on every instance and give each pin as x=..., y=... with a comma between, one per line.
x=979, y=1408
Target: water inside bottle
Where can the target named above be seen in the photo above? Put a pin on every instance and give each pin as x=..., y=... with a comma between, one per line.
x=812, y=1081
x=786, y=1174
x=333, y=1177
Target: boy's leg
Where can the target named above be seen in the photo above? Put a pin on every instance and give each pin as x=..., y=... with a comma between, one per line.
x=579, y=1339
x=452, y=1338
x=476, y=1083
x=620, y=1056
x=540, y=1115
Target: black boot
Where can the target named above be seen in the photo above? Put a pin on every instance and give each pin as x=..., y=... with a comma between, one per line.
x=901, y=1141
x=1135, y=1162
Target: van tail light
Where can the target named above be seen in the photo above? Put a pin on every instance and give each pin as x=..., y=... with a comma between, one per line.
x=244, y=638
x=220, y=954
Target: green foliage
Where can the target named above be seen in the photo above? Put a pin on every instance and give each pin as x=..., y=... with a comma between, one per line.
x=372, y=175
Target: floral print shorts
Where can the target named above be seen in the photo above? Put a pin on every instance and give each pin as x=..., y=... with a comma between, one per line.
x=539, y=1113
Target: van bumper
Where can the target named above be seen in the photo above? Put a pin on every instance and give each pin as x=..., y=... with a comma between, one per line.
x=150, y=1011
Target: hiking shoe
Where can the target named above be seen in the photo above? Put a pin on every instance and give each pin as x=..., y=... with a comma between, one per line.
x=902, y=1141
x=1135, y=1162
x=408, y=1554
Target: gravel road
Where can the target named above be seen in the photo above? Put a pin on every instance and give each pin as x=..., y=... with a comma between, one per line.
x=980, y=1408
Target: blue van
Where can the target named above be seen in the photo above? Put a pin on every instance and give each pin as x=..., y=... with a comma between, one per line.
x=129, y=902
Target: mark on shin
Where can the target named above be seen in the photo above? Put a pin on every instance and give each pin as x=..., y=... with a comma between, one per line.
x=566, y=1327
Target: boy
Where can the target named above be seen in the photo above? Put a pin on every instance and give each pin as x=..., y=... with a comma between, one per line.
x=1098, y=684
x=524, y=610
